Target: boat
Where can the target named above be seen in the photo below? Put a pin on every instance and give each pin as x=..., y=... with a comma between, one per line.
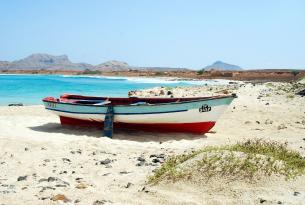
x=190, y=115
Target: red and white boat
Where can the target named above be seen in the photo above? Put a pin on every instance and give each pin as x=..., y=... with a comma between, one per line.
x=194, y=115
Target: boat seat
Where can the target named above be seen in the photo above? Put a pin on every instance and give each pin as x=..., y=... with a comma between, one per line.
x=103, y=102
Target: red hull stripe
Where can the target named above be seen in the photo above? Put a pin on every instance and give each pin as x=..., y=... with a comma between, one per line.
x=196, y=127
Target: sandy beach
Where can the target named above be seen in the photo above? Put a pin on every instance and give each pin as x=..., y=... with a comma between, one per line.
x=44, y=163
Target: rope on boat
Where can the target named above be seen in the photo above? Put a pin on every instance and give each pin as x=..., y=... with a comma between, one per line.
x=108, y=122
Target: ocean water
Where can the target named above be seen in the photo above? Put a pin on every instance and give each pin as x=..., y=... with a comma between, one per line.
x=30, y=89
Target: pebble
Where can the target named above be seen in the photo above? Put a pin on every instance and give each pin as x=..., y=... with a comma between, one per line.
x=157, y=160
x=157, y=155
x=268, y=122
x=262, y=200
x=141, y=159
x=104, y=162
x=281, y=126
x=128, y=185
x=60, y=197
x=99, y=202
x=296, y=193
x=141, y=163
x=81, y=186
x=22, y=178
x=66, y=160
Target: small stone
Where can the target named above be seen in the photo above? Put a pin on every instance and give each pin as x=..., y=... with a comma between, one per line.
x=139, y=164
x=81, y=186
x=268, y=122
x=51, y=179
x=128, y=185
x=99, y=202
x=61, y=185
x=247, y=122
x=22, y=178
x=258, y=122
x=296, y=193
x=66, y=160
x=104, y=162
x=141, y=159
x=60, y=197
x=281, y=126
x=124, y=172
x=279, y=202
x=156, y=160
x=76, y=201
x=262, y=201
x=26, y=149
x=267, y=104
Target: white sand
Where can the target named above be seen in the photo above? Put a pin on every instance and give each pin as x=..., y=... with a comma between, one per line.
x=33, y=144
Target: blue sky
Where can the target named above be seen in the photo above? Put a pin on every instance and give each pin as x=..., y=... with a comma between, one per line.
x=193, y=34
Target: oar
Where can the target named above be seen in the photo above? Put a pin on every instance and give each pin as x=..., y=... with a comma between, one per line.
x=108, y=122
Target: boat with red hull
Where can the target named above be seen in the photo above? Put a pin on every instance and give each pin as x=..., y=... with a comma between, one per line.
x=192, y=115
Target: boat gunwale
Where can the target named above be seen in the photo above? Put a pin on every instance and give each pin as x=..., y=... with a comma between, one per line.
x=198, y=99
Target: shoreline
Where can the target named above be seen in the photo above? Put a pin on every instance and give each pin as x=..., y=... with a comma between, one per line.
x=273, y=75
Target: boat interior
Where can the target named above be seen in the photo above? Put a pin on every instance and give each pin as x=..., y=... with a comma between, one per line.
x=90, y=100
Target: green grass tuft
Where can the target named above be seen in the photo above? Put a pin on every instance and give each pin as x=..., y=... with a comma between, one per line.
x=248, y=160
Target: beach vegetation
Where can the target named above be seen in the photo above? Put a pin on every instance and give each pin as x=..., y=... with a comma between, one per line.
x=295, y=73
x=201, y=71
x=159, y=73
x=90, y=72
x=290, y=96
x=249, y=160
x=270, y=85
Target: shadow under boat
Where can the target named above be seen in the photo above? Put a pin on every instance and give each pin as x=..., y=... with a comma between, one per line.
x=119, y=133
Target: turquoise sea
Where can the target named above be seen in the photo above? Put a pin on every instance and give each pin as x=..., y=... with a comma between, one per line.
x=30, y=89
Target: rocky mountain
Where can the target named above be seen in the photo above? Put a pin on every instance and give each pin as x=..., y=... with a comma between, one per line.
x=4, y=65
x=51, y=62
x=44, y=61
x=113, y=66
x=219, y=65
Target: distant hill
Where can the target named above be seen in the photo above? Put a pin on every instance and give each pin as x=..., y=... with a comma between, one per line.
x=113, y=66
x=44, y=61
x=219, y=65
x=40, y=61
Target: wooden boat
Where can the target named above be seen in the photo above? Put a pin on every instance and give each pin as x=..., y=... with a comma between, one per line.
x=192, y=115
